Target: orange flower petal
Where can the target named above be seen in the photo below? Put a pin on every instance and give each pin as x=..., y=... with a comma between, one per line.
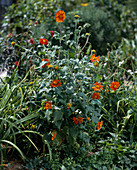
x=60, y=16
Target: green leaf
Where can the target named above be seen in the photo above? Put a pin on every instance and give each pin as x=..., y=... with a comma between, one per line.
x=84, y=136
x=73, y=132
x=57, y=115
x=58, y=124
x=95, y=119
x=81, y=94
x=63, y=167
x=47, y=114
x=15, y=146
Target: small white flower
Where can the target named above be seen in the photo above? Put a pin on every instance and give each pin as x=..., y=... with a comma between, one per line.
x=121, y=62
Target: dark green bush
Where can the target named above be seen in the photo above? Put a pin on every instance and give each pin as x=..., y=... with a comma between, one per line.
x=102, y=29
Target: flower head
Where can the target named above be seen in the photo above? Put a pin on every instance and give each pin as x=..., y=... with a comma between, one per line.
x=55, y=83
x=46, y=64
x=97, y=87
x=33, y=127
x=99, y=125
x=56, y=67
x=84, y=4
x=48, y=105
x=77, y=120
x=69, y=105
x=54, y=136
x=107, y=90
x=88, y=119
x=60, y=16
x=10, y=35
x=52, y=33
x=76, y=16
x=43, y=41
x=94, y=51
x=16, y=63
x=31, y=41
x=50, y=66
x=87, y=33
x=114, y=85
x=36, y=22
x=96, y=64
x=94, y=58
x=13, y=43
x=95, y=95
x=31, y=82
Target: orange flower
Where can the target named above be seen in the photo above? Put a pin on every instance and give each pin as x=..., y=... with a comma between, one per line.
x=55, y=83
x=43, y=41
x=48, y=105
x=77, y=120
x=95, y=96
x=96, y=64
x=46, y=64
x=50, y=66
x=54, y=136
x=69, y=105
x=114, y=85
x=107, y=90
x=88, y=119
x=97, y=87
x=13, y=43
x=56, y=67
x=60, y=16
x=33, y=127
x=99, y=125
x=94, y=58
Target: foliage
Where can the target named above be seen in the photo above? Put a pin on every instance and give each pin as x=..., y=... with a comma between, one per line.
x=102, y=29
x=27, y=11
x=112, y=154
x=63, y=106
x=123, y=17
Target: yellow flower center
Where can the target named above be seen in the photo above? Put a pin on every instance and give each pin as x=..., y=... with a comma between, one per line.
x=115, y=86
x=95, y=96
x=60, y=16
x=44, y=41
x=47, y=105
x=97, y=86
x=55, y=82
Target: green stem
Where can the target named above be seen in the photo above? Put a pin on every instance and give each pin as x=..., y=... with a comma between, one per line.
x=60, y=40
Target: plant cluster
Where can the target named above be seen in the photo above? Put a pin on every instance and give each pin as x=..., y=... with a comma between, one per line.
x=62, y=106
